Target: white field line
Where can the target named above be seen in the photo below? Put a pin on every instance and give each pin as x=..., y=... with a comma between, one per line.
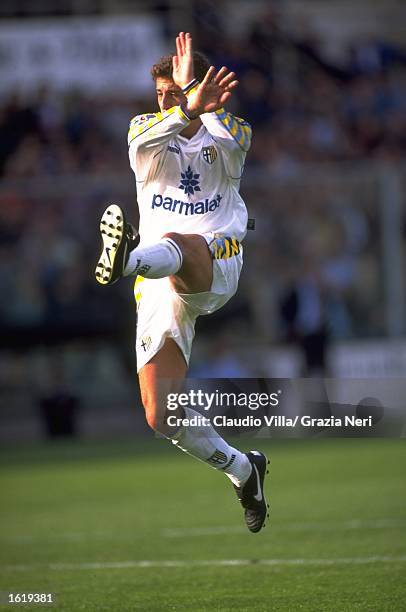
x=188, y=532
x=209, y=563
x=297, y=527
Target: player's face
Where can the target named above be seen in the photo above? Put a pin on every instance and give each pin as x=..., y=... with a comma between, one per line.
x=168, y=94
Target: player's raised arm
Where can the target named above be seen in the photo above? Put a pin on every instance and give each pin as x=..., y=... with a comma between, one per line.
x=208, y=98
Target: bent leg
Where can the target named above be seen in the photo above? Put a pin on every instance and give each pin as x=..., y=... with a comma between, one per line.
x=196, y=272
x=185, y=258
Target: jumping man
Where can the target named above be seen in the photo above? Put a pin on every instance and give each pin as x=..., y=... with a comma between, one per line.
x=187, y=258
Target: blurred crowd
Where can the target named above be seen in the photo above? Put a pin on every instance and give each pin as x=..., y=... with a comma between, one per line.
x=306, y=108
x=303, y=107
x=312, y=267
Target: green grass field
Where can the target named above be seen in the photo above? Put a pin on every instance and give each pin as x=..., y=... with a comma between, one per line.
x=79, y=518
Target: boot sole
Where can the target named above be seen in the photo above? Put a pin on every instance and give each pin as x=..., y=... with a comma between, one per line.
x=112, y=226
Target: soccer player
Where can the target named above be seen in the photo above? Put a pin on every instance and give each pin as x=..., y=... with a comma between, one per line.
x=187, y=258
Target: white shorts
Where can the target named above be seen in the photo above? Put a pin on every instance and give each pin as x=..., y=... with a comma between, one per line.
x=164, y=313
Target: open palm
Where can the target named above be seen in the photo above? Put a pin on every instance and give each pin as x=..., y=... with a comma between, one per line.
x=213, y=92
x=182, y=62
x=215, y=89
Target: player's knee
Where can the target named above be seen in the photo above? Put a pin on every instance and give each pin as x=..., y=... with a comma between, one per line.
x=154, y=417
x=179, y=239
x=193, y=247
x=154, y=422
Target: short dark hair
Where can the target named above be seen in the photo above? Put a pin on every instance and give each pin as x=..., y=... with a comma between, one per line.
x=163, y=68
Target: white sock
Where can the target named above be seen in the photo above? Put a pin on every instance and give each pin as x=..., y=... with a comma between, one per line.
x=204, y=443
x=155, y=261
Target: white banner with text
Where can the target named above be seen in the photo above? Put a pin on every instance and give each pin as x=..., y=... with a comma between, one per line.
x=95, y=55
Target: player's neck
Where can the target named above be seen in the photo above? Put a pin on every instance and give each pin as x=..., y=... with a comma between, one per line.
x=192, y=128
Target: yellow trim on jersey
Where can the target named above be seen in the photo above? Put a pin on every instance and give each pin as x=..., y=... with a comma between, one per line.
x=142, y=123
x=239, y=129
x=224, y=247
x=182, y=114
x=137, y=292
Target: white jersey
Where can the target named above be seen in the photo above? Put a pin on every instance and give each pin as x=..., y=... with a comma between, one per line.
x=190, y=186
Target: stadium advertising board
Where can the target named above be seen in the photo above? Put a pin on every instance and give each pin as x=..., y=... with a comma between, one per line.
x=92, y=54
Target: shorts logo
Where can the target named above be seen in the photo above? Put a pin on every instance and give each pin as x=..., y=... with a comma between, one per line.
x=217, y=458
x=146, y=343
x=209, y=154
x=189, y=182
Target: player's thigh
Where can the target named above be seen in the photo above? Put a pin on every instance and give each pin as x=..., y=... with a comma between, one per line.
x=196, y=273
x=162, y=375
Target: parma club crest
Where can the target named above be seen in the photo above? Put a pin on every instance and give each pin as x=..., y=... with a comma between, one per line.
x=209, y=154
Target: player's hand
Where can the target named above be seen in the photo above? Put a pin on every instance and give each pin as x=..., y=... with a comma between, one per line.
x=182, y=62
x=212, y=93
